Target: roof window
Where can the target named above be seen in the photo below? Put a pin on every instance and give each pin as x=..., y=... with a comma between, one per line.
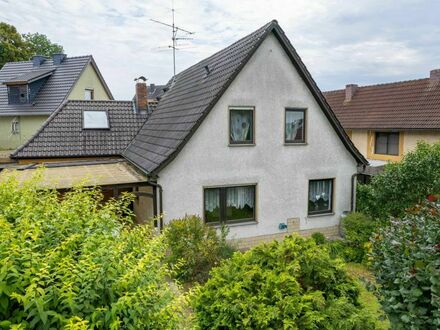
x=95, y=119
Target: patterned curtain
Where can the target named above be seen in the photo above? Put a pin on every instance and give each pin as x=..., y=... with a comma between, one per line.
x=240, y=125
x=238, y=197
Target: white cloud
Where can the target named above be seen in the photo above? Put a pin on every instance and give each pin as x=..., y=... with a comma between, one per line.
x=338, y=40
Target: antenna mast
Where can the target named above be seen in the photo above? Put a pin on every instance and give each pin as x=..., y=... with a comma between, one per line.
x=174, y=29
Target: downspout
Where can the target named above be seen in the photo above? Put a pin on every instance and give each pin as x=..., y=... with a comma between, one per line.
x=156, y=185
x=353, y=192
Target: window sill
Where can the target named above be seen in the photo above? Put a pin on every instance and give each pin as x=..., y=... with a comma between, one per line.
x=234, y=224
x=295, y=143
x=241, y=145
x=320, y=215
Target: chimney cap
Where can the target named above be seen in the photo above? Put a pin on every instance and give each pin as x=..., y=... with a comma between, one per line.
x=434, y=74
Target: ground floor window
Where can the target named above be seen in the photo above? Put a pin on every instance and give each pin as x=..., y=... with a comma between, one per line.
x=229, y=204
x=320, y=196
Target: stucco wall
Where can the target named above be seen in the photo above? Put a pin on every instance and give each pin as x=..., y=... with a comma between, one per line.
x=360, y=140
x=89, y=79
x=412, y=137
x=28, y=126
x=270, y=83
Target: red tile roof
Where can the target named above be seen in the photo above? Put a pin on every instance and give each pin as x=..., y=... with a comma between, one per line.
x=413, y=104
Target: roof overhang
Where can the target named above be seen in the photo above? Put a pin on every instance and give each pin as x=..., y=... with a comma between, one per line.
x=62, y=176
x=29, y=77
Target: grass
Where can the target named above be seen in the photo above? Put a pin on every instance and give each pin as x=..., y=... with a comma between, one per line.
x=367, y=298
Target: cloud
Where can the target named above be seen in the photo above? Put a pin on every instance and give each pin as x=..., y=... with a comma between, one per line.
x=340, y=41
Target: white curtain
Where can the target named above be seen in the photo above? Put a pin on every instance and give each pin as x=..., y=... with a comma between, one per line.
x=320, y=190
x=212, y=199
x=240, y=124
x=238, y=197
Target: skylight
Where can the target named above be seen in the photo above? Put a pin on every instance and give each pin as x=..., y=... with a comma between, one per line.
x=95, y=119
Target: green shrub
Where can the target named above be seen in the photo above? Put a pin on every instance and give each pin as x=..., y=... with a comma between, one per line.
x=319, y=238
x=403, y=184
x=357, y=229
x=75, y=263
x=291, y=284
x=406, y=262
x=194, y=248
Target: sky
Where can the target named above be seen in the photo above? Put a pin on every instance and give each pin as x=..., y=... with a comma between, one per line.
x=341, y=42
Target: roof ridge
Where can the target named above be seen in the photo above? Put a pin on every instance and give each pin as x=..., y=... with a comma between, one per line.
x=380, y=84
x=98, y=101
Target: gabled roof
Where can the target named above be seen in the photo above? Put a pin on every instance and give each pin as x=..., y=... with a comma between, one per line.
x=155, y=91
x=53, y=92
x=413, y=104
x=194, y=92
x=29, y=77
x=62, y=135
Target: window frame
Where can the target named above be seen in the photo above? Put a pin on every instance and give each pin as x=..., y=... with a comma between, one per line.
x=93, y=128
x=293, y=142
x=387, y=144
x=223, y=201
x=92, y=94
x=241, y=143
x=323, y=212
x=18, y=86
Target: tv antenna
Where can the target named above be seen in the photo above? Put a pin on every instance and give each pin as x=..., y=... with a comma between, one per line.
x=175, y=30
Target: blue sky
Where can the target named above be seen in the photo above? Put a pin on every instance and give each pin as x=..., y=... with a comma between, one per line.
x=363, y=42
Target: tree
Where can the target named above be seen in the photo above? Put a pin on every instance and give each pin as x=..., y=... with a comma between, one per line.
x=402, y=184
x=12, y=46
x=76, y=263
x=39, y=44
x=406, y=262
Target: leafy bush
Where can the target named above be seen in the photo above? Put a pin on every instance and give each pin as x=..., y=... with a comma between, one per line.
x=319, y=238
x=357, y=229
x=406, y=261
x=403, y=184
x=194, y=248
x=291, y=284
x=72, y=262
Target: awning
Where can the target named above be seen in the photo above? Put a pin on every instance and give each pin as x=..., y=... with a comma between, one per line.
x=62, y=177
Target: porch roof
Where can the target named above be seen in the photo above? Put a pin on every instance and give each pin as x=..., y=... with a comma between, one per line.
x=67, y=176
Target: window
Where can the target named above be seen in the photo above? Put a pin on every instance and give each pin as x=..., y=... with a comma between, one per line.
x=387, y=143
x=295, y=126
x=229, y=204
x=241, y=125
x=95, y=119
x=18, y=94
x=88, y=94
x=320, y=196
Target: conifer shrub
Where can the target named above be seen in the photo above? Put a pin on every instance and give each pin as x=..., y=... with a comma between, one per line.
x=75, y=263
x=293, y=284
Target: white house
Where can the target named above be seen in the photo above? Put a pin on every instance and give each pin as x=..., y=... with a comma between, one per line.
x=246, y=138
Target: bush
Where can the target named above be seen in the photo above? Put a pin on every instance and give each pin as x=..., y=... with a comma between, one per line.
x=75, y=263
x=291, y=284
x=319, y=238
x=357, y=229
x=194, y=248
x=406, y=262
x=403, y=184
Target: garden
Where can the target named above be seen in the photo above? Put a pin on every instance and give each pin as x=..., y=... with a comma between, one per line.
x=75, y=263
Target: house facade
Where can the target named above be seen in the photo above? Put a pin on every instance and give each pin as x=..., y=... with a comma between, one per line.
x=386, y=121
x=32, y=90
x=218, y=147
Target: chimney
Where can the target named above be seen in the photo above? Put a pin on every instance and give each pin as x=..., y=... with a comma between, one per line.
x=37, y=60
x=58, y=58
x=434, y=75
x=141, y=97
x=350, y=90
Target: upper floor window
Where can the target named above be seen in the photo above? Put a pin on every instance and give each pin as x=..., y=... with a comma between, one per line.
x=95, y=119
x=229, y=204
x=295, y=126
x=320, y=196
x=89, y=94
x=18, y=94
x=387, y=143
x=241, y=125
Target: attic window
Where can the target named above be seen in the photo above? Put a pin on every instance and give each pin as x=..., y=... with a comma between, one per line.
x=95, y=120
x=18, y=94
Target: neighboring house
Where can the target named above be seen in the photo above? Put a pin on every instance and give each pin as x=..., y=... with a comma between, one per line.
x=32, y=90
x=385, y=121
x=218, y=146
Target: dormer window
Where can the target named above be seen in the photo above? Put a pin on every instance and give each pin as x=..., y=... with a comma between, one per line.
x=18, y=94
x=95, y=119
